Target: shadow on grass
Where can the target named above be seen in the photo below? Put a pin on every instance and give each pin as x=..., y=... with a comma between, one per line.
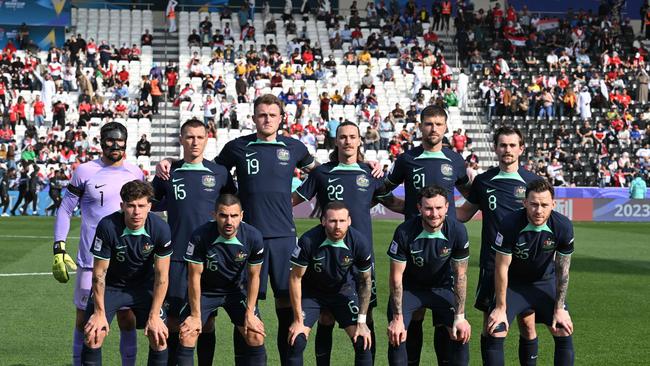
x=615, y=266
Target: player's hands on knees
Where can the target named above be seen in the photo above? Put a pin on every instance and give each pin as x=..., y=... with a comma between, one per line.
x=377, y=170
x=295, y=329
x=396, y=332
x=163, y=168
x=253, y=324
x=156, y=330
x=191, y=327
x=562, y=321
x=461, y=330
x=62, y=261
x=362, y=330
x=96, y=328
x=496, y=318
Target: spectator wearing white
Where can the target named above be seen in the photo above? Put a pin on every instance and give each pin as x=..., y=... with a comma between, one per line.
x=48, y=89
x=309, y=140
x=170, y=13
x=584, y=103
x=209, y=109
x=552, y=60
x=463, y=82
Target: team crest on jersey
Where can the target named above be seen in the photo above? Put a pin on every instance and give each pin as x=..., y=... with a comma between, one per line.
x=147, y=248
x=362, y=181
x=283, y=155
x=240, y=256
x=548, y=245
x=209, y=181
x=520, y=192
x=444, y=252
x=346, y=261
x=446, y=169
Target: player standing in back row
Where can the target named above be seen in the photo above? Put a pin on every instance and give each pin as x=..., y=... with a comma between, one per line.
x=429, y=164
x=498, y=192
x=189, y=198
x=264, y=163
x=95, y=187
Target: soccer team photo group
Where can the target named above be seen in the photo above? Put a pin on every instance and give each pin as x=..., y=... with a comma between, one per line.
x=260, y=197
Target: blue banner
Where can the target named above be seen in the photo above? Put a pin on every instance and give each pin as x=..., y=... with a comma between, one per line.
x=42, y=36
x=36, y=12
x=630, y=7
x=44, y=201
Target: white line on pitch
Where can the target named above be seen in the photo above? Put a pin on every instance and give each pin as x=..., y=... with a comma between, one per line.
x=28, y=274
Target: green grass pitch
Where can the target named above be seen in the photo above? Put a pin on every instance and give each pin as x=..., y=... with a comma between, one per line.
x=608, y=299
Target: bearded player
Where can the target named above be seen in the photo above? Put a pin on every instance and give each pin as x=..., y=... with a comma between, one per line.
x=95, y=186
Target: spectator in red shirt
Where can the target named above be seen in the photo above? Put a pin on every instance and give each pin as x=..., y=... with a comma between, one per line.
x=297, y=128
x=20, y=110
x=123, y=75
x=39, y=111
x=458, y=141
x=172, y=79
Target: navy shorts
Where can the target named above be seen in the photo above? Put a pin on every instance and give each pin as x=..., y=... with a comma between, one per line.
x=138, y=300
x=485, y=290
x=343, y=305
x=234, y=304
x=177, y=290
x=439, y=300
x=538, y=297
x=277, y=253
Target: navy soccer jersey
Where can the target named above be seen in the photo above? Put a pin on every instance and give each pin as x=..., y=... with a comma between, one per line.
x=497, y=194
x=131, y=252
x=351, y=183
x=417, y=168
x=428, y=255
x=329, y=264
x=264, y=172
x=189, y=197
x=533, y=247
x=224, y=260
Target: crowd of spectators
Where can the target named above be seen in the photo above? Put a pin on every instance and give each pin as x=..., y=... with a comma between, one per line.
x=51, y=101
x=578, y=85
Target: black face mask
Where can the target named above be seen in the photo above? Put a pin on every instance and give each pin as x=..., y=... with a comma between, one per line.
x=111, y=141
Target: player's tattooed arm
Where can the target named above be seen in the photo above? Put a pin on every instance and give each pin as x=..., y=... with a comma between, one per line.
x=396, y=287
x=100, y=267
x=365, y=288
x=460, y=284
x=562, y=265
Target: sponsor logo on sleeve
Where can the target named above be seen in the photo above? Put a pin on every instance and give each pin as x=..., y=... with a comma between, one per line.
x=393, y=247
x=98, y=244
x=499, y=240
x=296, y=252
x=190, y=249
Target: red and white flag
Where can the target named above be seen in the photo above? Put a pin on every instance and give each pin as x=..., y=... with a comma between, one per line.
x=547, y=24
x=517, y=41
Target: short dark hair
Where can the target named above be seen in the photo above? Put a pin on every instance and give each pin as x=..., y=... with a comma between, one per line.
x=507, y=130
x=268, y=99
x=194, y=122
x=539, y=186
x=227, y=199
x=136, y=189
x=433, y=111
x=334, y=205
x=432, y=191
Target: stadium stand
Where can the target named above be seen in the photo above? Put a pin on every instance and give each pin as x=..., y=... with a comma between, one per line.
x=329, y=66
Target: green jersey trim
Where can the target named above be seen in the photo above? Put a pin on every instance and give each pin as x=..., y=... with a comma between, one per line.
x=537, y=229
x=231, y=241
x=335, y=244
x=435, y=235
x=509, y=175
x=432, y=155
x=140, y=231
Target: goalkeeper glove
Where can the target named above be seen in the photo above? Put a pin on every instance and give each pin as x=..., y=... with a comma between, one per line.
x=61, y=263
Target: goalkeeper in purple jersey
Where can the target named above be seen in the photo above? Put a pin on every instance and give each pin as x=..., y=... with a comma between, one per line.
x=95, y=187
